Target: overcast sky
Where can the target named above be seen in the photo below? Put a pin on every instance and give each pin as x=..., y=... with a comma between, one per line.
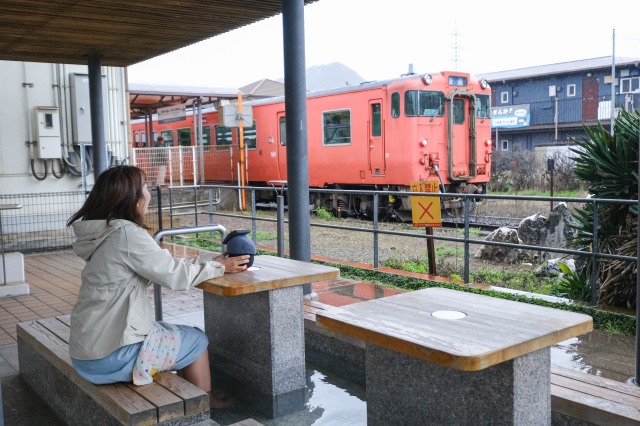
x=379, y=39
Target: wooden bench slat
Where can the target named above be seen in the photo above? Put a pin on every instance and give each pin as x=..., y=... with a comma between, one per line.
x=169, y=405
x=592, y=408
x=66, y=319
x=58, y=328
x=124, y=404
x=195, y=399
x=601, y=392
x=595, y=380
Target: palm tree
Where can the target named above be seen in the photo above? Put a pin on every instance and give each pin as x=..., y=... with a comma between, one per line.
x=609, y=163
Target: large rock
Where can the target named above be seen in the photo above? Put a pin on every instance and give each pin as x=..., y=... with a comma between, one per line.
x=555, y=231
x=551, y=269
x=498, y=253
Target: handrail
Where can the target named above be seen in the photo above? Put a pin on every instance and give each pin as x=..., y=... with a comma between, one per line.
x=157, y=291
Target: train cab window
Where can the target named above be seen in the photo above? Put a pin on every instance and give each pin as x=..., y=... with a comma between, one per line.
x=395, y=105
x=283, y=131
x=224, y=135
x=483, y=106
x=250, y=136
x=424, y=103
x=459, y=111
x=167, y=135
x=336, y=127
x=184, y=136
x=376, y=121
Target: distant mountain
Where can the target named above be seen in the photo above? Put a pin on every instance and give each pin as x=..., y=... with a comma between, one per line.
x=336, y=74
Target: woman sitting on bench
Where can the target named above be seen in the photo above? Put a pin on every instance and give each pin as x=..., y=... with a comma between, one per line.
x=111, y=324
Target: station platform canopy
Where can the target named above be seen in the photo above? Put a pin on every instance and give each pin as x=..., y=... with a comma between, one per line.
x=120, y=32
x=147, y=97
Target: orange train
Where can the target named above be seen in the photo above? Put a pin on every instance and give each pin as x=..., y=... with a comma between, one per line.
x=377, y=135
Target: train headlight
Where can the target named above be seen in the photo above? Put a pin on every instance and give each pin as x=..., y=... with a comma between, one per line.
x=427, y=79
x=488, y=142
x=484, y=84
x=423, y=142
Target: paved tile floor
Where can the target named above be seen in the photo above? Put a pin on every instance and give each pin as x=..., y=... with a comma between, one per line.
x=54, y=280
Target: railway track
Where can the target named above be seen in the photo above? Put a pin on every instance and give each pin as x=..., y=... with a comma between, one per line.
x=487, y=223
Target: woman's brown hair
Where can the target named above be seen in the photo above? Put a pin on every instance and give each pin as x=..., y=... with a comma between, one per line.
x=115, y=195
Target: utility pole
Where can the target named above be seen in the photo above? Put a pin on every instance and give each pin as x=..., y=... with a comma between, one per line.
x=613, y=81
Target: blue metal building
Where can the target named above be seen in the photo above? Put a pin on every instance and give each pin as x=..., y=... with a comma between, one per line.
x=551, y=103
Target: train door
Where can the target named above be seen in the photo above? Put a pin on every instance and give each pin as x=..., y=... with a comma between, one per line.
x=460, y=137
x=282, y=145
x=376, y=138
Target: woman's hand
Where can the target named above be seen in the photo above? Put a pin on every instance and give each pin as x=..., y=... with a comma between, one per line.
x=233, y=264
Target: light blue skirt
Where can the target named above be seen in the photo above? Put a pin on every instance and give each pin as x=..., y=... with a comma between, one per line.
x=118, y=365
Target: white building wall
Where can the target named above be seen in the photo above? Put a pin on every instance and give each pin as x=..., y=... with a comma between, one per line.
x=50, y=88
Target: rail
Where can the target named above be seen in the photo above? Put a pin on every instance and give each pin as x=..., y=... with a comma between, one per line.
x=157, y=291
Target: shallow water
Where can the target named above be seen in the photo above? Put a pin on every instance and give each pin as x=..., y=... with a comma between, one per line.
x=330, y=400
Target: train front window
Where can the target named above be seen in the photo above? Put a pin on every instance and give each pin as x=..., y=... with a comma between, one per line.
x=423, y=103
x=336, y=127
x=224, y=135
x=458, y=111
x=483, y=106
x=184, y=136
x=250, y=136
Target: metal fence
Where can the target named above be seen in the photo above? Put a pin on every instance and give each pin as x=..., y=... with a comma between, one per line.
x=188, y=165
x=41, y=223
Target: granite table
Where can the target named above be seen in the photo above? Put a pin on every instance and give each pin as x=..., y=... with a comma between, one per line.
x=440, y=356
x=254, y=321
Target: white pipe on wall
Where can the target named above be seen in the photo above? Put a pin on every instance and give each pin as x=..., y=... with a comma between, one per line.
x=125, y=115
x=28, y=100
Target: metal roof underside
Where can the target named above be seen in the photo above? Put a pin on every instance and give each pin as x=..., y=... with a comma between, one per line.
x=145, y=97
x=559, y=68
x=122, y=32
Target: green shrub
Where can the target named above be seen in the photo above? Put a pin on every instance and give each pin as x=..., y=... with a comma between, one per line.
x=324, y=214
x=573, y=286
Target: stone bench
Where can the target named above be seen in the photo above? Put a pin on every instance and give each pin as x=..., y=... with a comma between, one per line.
x=577, y=398
x=45, y=365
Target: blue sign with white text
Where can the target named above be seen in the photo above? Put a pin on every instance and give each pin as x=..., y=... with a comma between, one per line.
x=510, y=116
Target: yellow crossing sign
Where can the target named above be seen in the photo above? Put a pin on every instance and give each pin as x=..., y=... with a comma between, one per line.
x=425, y=210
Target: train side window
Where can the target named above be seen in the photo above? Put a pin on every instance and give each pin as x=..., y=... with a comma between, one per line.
x=155, y=137
x=136, y=137
x=483, y=105
x=184, y=136
x=206, y=137
x=336, y=127
x=224, y=135
x=167, y=135
x=376, y=122
x=395, y=105
x=458, y=111
x=250, y=136
x=283, y=131
x=143, y=135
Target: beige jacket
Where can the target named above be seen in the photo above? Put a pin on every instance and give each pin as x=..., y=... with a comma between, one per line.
x=122, y=259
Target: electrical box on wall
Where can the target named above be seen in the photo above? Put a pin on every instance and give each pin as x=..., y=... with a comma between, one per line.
x=48, y=132
x=81, y=109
